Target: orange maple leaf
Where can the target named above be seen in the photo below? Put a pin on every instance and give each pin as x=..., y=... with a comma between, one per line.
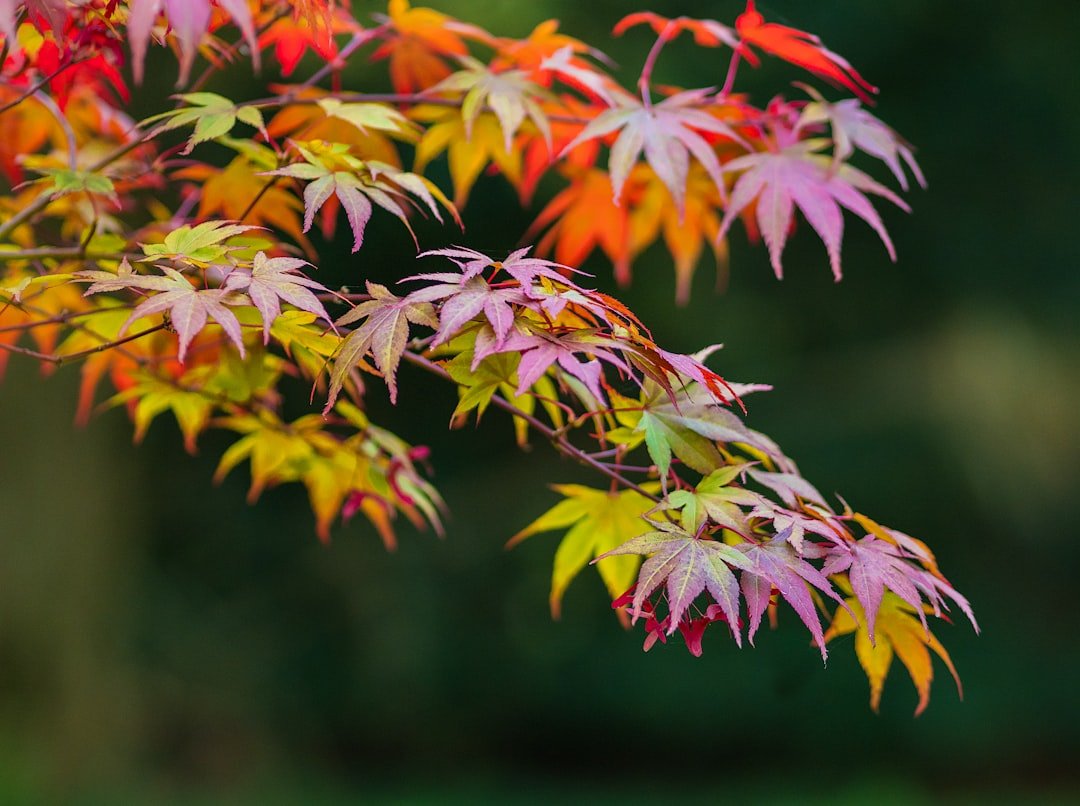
x=419, y=42
x=232, y=193
x=24, y=129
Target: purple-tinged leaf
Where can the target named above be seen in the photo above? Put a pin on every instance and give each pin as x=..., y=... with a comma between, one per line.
x=273, y=280
x=872, y=566
x=853, y=127
x=796, y=176
x=790, y=487
x=188, y=308
x=778, y=565
x=689, y=566
x=668, y=133
x=384, y=334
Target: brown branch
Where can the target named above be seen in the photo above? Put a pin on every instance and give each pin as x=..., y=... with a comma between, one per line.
x=64, y=252
x=33, y=88
x=57, y=360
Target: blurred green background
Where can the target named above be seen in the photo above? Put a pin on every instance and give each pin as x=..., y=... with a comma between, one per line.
x=160, y=640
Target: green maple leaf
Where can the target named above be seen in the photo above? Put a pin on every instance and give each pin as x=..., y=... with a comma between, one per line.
x=213, y=115
x=687, y=428
x=200, y=244
x=715, y=499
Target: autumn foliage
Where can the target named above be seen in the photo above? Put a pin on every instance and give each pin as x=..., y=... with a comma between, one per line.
x=185, y=284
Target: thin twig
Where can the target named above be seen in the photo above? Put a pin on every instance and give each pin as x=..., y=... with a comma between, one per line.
x=69, y=357
x=39, y=84
x=62, y=253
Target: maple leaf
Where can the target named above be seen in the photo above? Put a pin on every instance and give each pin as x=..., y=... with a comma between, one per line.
x=687, y=428
x=708, y=33
x=24, y=129
x=873, y=565
x=201, y=244
x=796, y=176
x=153, y=396
x=292, y=36
x=384, y=334
x=853, y=127
x=272, y=281
x=715, y=500
x=53, y=11
x=463, y=298
x=188, y=308
x=544, y=351
x=331, y=171
x=300, y=451
x=597, y=521
x=899, y=634
x=189, y=21
x=776, y=564
x=668, y=133
x=478, y=381
x=467, y=153
x=524, y=269
x=790, y=487
x=367, y=116
x=798, y=47
x=51, y=301
x=545, y=41
x=685, y=233
x=64, y=181
x=511, y=95
x=690, y=565
x=418, y=42
x=583, y=217
x=366, y=128
x=579, y=74
x=213, y=115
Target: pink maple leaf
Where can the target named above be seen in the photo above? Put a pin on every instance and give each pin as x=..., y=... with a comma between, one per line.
x=797, y=177
x=274, y=280
x=189, y=20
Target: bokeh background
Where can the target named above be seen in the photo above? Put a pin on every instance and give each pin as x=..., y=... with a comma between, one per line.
x=160, y=640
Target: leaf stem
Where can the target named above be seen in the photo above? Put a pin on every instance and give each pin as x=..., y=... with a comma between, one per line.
x=645, y=79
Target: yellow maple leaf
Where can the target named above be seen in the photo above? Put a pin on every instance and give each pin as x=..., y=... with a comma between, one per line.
x=897, y=632
x=468, y=153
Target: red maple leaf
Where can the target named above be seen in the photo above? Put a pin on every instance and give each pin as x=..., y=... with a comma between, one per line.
x=799, y=48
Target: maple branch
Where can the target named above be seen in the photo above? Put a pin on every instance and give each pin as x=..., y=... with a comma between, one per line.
x=60, y=319
x=404, y=99
x=57, y=360
x=62, y=253
x=555, y=436
x=39, y=84
x=358, y=39
x=257, y=198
